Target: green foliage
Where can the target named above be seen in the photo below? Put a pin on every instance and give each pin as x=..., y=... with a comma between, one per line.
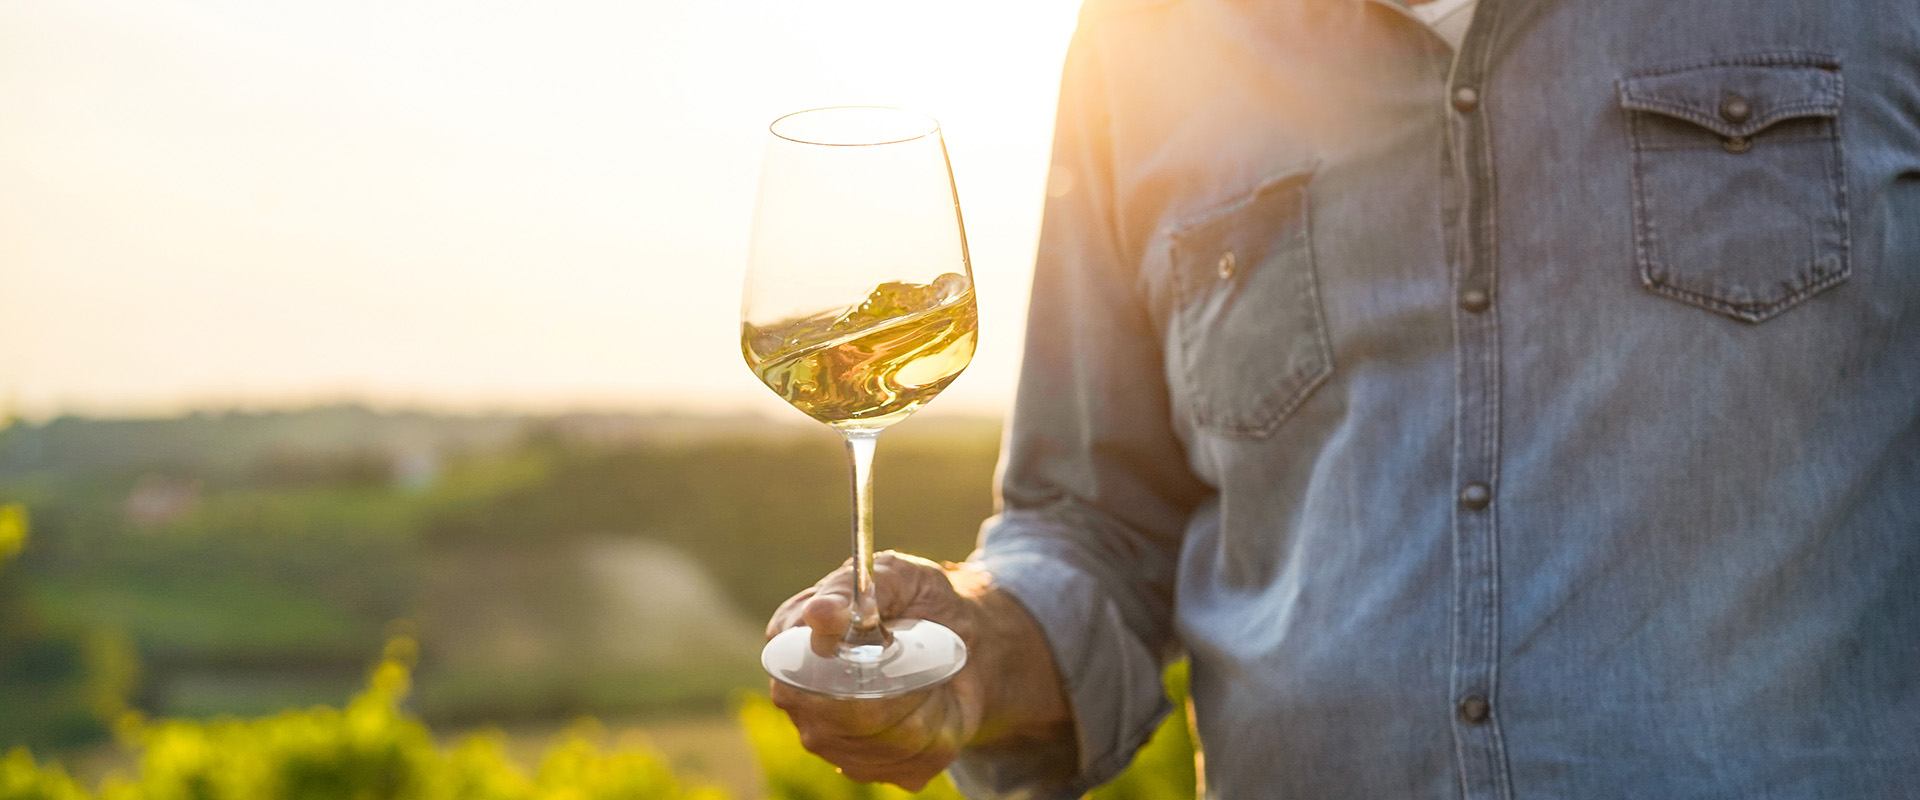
x=1163, y=770
x=369, y=750
x=22, y=779
x=13, y=531
x=576, y=767
x=48, y=699
x=373, y=750
x=792, y=773
x=288, y=551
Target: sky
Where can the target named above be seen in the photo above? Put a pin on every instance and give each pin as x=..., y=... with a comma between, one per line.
x=464, y=206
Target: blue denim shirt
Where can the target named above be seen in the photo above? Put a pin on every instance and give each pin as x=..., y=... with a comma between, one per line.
x=1541, y=422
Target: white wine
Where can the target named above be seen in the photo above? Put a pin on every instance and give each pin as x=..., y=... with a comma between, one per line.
x=871, y=365
x=850, y=198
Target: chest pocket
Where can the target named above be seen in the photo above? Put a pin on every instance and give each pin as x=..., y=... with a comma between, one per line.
x=1740, y=200
x=1247, y=339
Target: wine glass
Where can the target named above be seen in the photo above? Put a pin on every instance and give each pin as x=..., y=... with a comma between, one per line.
x=858, y=309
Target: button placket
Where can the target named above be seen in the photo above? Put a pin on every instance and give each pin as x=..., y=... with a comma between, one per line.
x=1474, y=709
x=1466, y=99
x=1475, y=496
x=1475, y=645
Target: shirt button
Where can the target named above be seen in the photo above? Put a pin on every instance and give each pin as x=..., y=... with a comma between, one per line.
x=1735, y=109
x=1475, y=496
x=1227, y=264
x=1465, y=99
x=1474, y=301
x=1474, y=709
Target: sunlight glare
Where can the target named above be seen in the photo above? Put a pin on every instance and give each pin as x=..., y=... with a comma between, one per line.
x=454, y=205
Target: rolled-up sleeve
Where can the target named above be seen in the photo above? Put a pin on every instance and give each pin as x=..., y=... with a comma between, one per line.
x=1095, y=489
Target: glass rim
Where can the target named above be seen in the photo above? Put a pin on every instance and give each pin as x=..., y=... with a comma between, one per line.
x=933, y=126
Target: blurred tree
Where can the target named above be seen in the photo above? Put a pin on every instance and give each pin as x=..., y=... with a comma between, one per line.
x=767, y=516
x=47, y=700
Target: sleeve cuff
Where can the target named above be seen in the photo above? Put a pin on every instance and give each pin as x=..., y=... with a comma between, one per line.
x=1112, y=678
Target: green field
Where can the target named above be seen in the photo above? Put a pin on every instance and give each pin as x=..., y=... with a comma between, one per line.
x=547, y=566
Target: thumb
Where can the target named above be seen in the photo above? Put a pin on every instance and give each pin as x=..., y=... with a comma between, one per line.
x=911, y=586
x=828, y=613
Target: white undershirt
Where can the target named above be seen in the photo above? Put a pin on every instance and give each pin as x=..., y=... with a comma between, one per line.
x=1449, y=18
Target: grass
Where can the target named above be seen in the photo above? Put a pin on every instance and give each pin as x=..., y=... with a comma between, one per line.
x=233, y=614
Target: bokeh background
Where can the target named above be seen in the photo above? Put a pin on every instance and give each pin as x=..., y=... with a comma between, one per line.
x=326, y=326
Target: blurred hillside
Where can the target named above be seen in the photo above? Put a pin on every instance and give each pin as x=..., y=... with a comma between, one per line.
x=548, y=566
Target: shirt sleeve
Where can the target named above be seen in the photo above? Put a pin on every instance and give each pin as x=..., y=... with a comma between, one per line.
x=1095, y=489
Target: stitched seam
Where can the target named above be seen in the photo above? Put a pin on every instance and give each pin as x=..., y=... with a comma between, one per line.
x=1765, y=58
x=1750, y=312
x=1780, y=113
x=1715, y=143
x=1645, y=237
x=1837, y=179
x=1302, y=174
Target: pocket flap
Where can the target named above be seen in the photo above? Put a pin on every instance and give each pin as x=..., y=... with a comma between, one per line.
x=1739, y=97
x=1271, y=217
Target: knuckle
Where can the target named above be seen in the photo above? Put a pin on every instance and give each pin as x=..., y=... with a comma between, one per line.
x=814, y=741
x=895, y=558
x=913, y=730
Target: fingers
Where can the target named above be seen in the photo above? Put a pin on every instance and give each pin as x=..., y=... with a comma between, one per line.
x=904, y=586
x=837, y=586
x=827, y=717
x=828, y=614
x=911, y=771
x=905, y=741
x=904, y=582
x=787, y=615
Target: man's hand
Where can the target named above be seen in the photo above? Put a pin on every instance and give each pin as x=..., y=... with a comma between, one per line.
x=1008, y=690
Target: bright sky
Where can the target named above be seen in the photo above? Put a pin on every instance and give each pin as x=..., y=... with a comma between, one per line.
x=460, y=205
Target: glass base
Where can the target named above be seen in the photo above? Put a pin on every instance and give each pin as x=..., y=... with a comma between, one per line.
x=923, y=654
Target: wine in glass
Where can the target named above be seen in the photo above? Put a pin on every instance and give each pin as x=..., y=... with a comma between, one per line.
x=858, y=309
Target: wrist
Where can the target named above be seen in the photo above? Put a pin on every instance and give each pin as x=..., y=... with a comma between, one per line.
x=1015, y=679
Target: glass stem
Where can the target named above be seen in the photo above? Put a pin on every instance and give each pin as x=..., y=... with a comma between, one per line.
x=865, y=638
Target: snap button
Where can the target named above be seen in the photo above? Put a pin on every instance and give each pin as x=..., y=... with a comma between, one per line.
x=1475, y=496
x=1474, y=301
x=1465, y=99
x=1474, y=709
x=1227, y=265
x=1736, y=144
x=1735, y=109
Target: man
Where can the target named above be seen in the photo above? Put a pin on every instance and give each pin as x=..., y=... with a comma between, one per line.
x=1536, y=417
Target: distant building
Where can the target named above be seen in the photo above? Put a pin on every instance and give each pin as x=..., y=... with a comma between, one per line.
x=416, y=470
x=158, y=500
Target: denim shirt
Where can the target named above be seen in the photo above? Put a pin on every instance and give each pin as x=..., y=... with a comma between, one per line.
x=1542, y=422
